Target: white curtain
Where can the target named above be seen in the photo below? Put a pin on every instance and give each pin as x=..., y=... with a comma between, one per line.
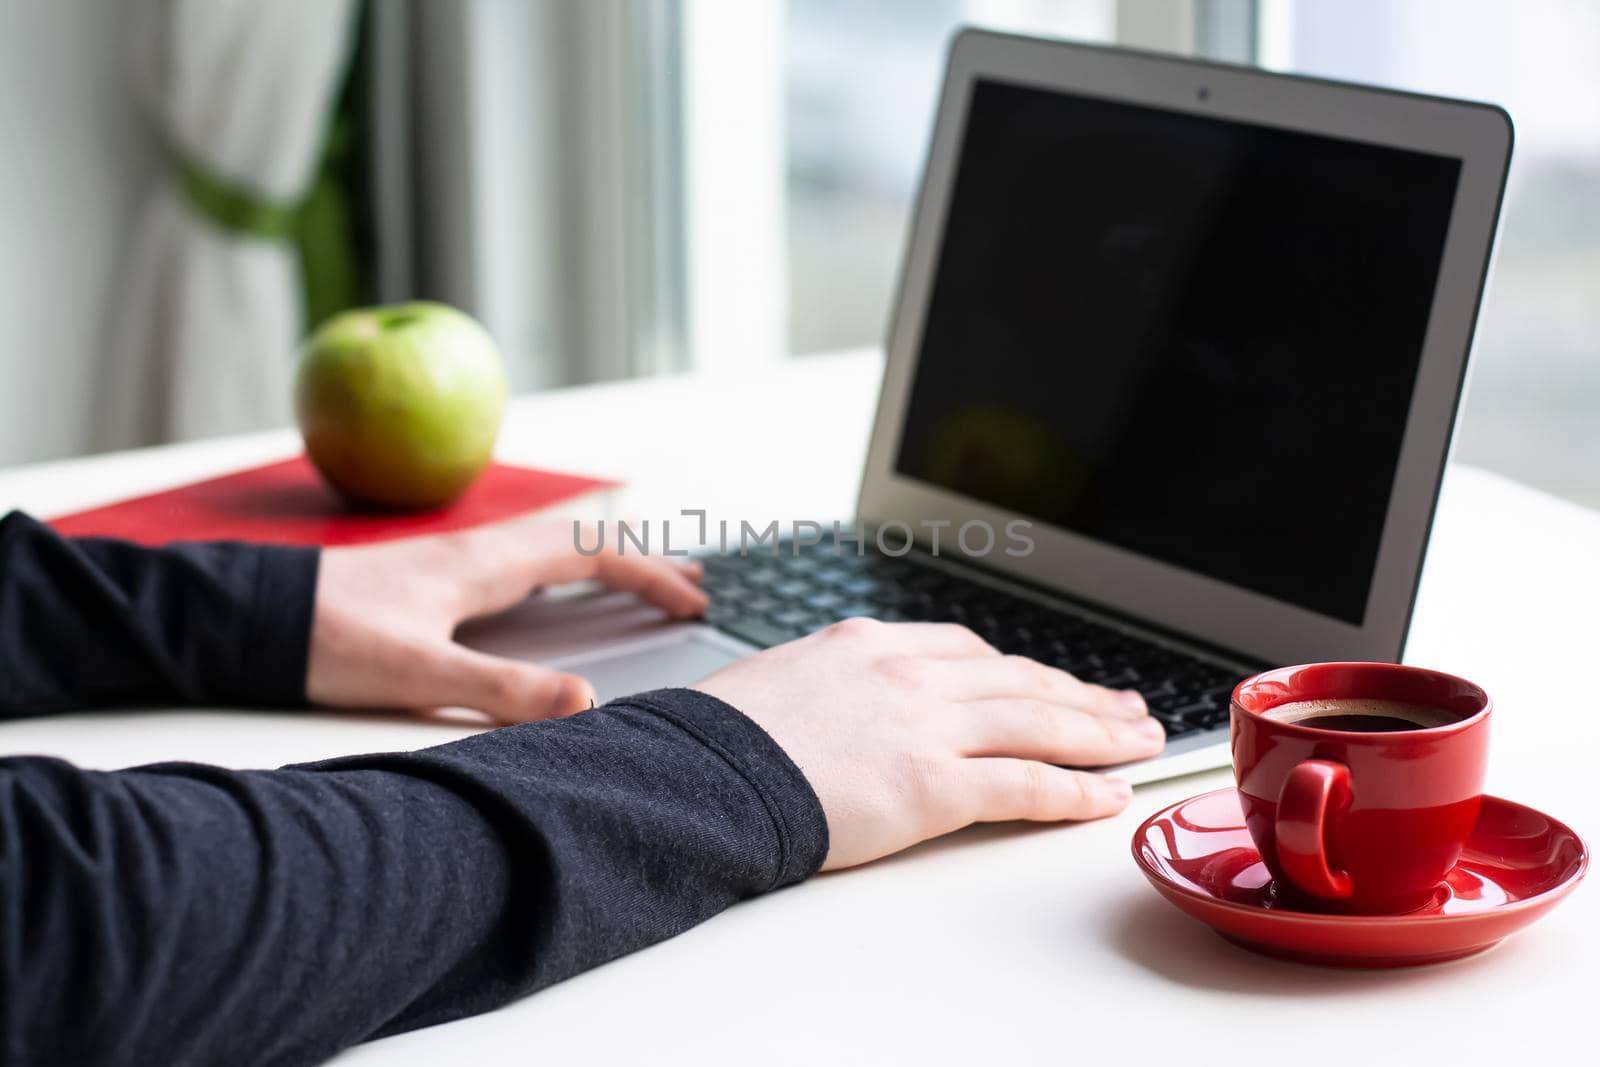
x=203, y=332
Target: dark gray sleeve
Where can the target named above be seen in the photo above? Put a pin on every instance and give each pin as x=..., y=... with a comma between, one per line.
x=90, y=622
x=185, y=914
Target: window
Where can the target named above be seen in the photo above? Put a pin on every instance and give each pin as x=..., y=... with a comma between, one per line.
x=745, y=175
x=805, y=127
x=656, y=184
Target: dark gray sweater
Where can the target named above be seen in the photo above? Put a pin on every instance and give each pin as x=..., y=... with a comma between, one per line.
x=186, y=914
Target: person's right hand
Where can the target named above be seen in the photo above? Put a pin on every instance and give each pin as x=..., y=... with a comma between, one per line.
x=907, y=731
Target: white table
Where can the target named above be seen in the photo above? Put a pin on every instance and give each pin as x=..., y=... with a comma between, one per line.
x=1003, y=943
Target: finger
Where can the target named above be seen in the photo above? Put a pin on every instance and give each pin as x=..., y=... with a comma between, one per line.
x=1019, y=676
x=1040, y=730
x=656, y=580
x=495, y=566
x=942, y=640
x=507, y=690
x=663, y=582
x=671, y=583
x=1002, y=790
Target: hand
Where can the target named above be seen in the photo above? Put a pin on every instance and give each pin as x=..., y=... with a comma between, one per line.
x=381, y=636
x=911, y=730
x=914, y=730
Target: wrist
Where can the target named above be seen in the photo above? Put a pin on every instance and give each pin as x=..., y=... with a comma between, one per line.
x=799, y=826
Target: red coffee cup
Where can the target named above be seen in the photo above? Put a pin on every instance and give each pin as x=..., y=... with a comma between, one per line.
x=1354, y=821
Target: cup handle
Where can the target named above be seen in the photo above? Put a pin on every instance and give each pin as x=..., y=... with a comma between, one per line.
x=1314, y=790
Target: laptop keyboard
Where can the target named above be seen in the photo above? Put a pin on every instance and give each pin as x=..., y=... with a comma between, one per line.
x=767, y=599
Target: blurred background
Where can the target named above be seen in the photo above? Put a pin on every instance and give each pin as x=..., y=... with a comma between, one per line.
x=635, y=187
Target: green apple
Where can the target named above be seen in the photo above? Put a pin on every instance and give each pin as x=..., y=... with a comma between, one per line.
x=399, y=406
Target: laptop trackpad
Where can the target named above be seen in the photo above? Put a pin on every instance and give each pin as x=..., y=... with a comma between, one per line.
x=660, y=664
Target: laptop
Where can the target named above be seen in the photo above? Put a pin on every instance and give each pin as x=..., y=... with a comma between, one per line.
x=1168, y=394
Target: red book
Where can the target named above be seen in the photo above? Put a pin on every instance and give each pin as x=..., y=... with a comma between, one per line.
x=287, y=503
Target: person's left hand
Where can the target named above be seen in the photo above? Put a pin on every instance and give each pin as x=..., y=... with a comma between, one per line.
x=385, y=614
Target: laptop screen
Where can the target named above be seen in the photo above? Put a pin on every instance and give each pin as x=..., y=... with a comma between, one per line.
x=1190, y=338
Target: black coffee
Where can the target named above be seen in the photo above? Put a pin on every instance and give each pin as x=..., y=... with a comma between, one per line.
x=1360, y=715
x=1362, y=724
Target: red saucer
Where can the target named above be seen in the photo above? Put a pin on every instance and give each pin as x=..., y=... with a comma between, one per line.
x=1517, y=865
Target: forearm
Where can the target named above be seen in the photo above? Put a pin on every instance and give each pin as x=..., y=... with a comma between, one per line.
x=87, y=622
x=188, y=914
